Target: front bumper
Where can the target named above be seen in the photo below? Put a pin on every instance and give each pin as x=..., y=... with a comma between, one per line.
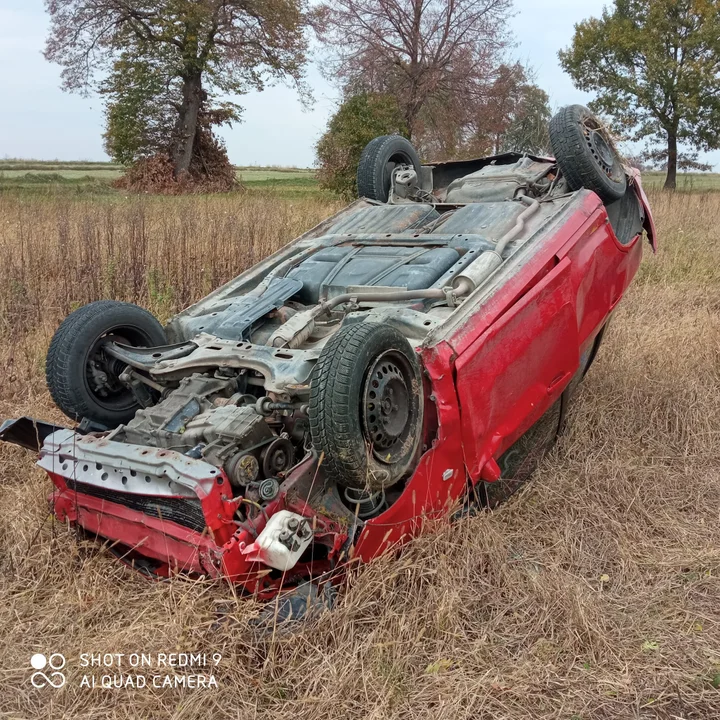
x=438, y=483
x=174, y=513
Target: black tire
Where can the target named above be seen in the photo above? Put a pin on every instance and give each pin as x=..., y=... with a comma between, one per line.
x=377, y=162
x=75, y=356
x=585, y=154
x=362, y=450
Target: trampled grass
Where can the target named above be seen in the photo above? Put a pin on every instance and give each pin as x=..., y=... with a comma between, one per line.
x=592, y=594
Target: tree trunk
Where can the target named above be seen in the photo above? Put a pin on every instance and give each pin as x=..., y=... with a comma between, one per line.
x=187, y=123
x=672, y=156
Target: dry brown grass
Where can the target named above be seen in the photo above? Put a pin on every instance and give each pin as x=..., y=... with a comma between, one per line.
x=594, y=593
x=58, y=252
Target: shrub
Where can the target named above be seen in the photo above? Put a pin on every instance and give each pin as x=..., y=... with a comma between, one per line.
x=210, y=168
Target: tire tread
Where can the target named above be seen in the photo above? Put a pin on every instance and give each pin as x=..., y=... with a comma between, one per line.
x=370, y=170
x=573, y=158
x=330, y=397
x=60, y=355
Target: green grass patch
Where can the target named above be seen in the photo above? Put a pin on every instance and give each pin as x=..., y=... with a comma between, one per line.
x=297, y=185
x=58, y=175
x=686, y=182
x=35, y=177
x=55, y=166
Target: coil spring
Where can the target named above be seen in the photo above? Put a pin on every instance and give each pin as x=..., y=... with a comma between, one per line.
x=366, y=504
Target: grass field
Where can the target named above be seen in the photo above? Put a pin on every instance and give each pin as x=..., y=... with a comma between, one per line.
x=594, y=594
x=686, y=182
x=95, y=177
x=89, y=177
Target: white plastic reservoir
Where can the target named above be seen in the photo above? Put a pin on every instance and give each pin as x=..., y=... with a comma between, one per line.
x=282, y=541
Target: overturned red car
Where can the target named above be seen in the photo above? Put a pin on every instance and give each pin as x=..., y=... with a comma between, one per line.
x=419, y=347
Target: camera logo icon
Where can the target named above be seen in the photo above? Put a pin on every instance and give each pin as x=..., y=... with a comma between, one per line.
x=54, y=678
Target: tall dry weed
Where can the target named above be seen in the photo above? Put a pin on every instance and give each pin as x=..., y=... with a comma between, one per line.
x=593, y=594
x=57, y=253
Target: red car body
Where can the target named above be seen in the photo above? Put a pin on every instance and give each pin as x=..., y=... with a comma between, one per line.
x=491, y=376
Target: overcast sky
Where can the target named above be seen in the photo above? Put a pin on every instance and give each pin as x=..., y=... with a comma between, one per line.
x=39, y=121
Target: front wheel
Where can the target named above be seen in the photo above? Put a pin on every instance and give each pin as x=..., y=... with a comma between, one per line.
x=366, y=406
x=82, y=378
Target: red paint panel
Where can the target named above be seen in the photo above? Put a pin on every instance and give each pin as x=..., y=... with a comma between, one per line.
x=159, y=539
x=516, y=369
x=588, y=217
x=602, y=269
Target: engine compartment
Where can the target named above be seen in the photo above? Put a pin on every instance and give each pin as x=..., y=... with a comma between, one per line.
x=251, y=438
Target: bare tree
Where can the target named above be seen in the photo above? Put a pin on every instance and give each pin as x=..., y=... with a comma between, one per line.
x=442, y=52
x=199, y=46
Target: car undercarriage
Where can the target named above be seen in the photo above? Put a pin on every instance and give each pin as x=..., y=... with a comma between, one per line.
x=327, y=402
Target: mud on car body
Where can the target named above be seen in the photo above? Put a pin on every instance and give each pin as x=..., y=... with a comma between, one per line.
x=323, y=405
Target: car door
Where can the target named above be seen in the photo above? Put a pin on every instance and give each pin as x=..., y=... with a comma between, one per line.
x=516, y=369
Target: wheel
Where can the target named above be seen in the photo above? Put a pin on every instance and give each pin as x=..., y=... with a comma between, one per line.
x=366, y=406
x=585, y=153
x=82, y=379
x=377, y=162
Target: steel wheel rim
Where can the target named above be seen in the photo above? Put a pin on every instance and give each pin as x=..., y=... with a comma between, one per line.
x=387, y=406
x=117, y=396
x=601, y=149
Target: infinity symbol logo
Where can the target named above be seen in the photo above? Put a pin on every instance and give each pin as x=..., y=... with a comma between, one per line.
x=39, y=679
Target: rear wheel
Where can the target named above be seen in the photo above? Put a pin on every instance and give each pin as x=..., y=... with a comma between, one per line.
x=585, y=153
x=378, y=160
x=365, y=406
x=83, y=380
